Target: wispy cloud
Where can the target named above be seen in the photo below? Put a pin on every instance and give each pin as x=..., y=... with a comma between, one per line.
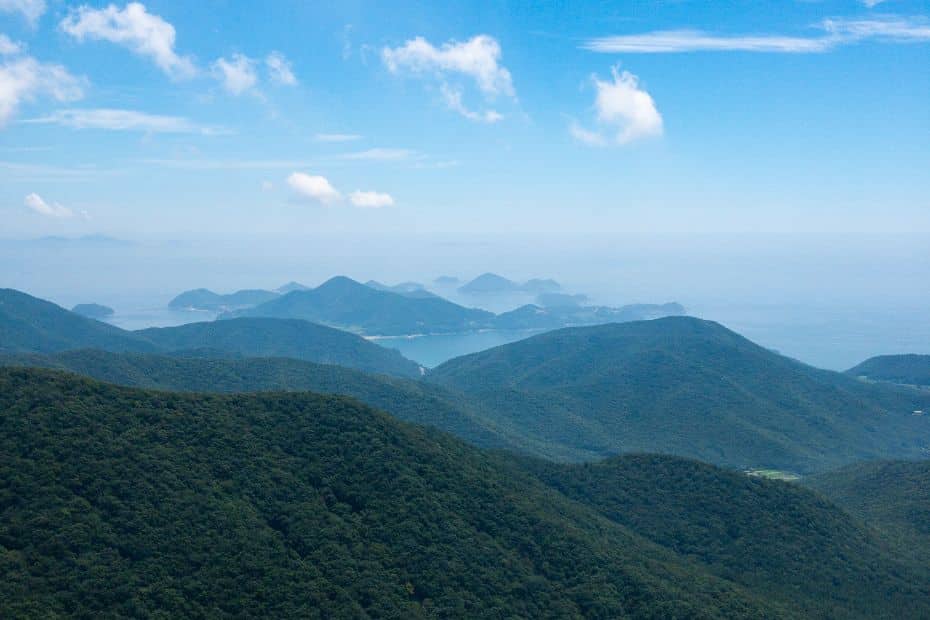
x=381, y=154
x=477, y=60
x=336, y=137
x=236, y=74
x=23, y=78
x=8, y=47
x=371, y=200
x=833, y=33
x=135, y=28
x=32, y=10
x=124, y=120
x=39, y=205
x=227, y=164
x=280, y=70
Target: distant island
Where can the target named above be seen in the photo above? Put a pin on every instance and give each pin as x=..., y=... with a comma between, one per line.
x=205, y=299
x=93, y=311
x=493, y=284
x=408, y=309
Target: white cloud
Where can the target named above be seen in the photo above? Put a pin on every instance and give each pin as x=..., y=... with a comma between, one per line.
x=313, y=187
x=371, y=200
x=622, y=107
x=336, y=137
x=25, y=78
x=124, y=120
x=872, y=3
x=477, y=59
x=453, y=98
x=237, y=74
x=32, y=10
x=833, y=33
x=8, y=47
x=279, y=69
x=37, y=204
x=380, y=154
x=586, y=136
x=133, y=27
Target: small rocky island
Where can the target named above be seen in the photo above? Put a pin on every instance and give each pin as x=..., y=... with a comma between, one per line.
x=93, y=311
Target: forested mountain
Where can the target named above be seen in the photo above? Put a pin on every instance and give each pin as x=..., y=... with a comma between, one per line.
x=205, y=299
x=93, y=311
x=891, y=496
x=139, y=503
x=351, y=305
x=773, y=537
x=910, y=369
x=405, y=399
x=684, y=386
x=263, y=337
x=28, y=324
x=31, y=324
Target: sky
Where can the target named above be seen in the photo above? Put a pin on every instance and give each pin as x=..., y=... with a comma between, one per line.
x=222, y=119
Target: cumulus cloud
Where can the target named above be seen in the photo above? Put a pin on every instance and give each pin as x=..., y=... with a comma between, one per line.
x=40, y=206
x=477, y=60
x=236, y=74
x=134, y=28
x=25, y=78
x=8, y=47
x=279, y=69
x=833, y=33
x=124, y=120
x=313, y=187
x=624, y=109
x=370, y=200
x=32, y=10
x=336, y=137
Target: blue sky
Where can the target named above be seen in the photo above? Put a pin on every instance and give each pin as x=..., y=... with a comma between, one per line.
x=214, y=119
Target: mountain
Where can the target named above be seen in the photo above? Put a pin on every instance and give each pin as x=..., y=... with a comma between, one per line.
x=489, y=284
x=775, y=538
x=688, y=387
x=405, y=399
x=905, y=369
x=560, y=300
x=407, y=289
x=553, y=317
x=891, y=496
x=204, y=299
x=446, y=281
x=138, y=503
x=93, y=311
x=135, y=503
x=538, y=286
x=262, y=337
x=31, y=324
x=345, y=303
x=290, y=287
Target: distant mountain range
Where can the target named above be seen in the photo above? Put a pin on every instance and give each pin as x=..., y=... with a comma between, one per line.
x=907, y=369
x=406, y=309
x=139, y=503
x=493, y=284
x=683, y=386
x=32, y=325
x=205, y=299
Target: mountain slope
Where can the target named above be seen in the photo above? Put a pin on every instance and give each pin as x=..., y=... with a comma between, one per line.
x=777, y=539
x=905, y=369
x=688, y=387
x=205, y=299
x=407, y=400
x=28, y=324
x=139, y=503
x=31, y=324
x=892, y=496
x=346, y=303
x=263, y=337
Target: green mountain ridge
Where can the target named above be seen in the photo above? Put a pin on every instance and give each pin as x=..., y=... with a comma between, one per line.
x=28, y=324
x=688, y=387
x=906, y=369
x=140, y=503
